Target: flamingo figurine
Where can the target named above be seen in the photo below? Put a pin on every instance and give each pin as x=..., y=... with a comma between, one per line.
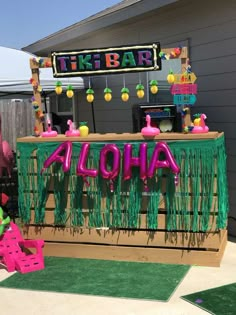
x=72, y=132
x=200, y=127
x=149, y=131
x=49, y=133
x=6, y=154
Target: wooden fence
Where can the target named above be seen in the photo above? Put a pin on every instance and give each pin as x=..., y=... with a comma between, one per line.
x=17, y=120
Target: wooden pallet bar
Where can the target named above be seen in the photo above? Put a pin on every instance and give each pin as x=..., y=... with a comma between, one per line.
x=184, y=224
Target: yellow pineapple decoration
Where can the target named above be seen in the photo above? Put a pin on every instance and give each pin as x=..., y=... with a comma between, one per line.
x=171, y=78
x=153, y=86
x=107, y=94
x=58, y=88
x=140, y=90
x=90, y=95
x=197, y=119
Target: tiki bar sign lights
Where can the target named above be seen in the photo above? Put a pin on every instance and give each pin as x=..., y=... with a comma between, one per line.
x=106, y=60
x=63, y=155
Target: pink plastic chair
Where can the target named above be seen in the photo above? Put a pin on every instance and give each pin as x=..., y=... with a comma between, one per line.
x=12, y=254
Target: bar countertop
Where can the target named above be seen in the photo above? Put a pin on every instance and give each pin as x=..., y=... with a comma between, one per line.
x=98, y=137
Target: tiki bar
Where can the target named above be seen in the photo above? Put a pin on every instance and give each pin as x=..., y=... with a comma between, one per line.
x=154, y=195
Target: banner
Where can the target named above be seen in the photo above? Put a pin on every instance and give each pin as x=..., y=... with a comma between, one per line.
x=143, y=57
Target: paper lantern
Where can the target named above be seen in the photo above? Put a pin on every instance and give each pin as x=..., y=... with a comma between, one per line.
x=125, y=94
x=140, y=90
x=90, y=95
x=70, y=92
x=153, y=86
x=58, y=88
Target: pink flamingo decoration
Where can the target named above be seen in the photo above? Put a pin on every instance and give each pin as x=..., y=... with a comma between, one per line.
x=201, y=128
x=149, y=131
x=6, y=154
x=49, y=133
x=72, y=132
x=203, y=118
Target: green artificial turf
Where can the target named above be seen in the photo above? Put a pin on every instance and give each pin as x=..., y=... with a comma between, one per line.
x=139, y=280
x=218, y=301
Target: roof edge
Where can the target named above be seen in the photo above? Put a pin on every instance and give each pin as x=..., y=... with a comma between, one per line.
x=98, y=21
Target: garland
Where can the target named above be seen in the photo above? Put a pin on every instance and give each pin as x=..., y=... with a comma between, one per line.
x=189, y=205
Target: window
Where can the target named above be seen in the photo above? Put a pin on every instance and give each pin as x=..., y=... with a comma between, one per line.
x=64, y=104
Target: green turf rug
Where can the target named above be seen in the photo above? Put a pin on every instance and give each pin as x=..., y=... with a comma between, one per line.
x=139, y=280
x=218, y=301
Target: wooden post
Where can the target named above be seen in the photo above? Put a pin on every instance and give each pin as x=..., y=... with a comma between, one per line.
x=35, y=66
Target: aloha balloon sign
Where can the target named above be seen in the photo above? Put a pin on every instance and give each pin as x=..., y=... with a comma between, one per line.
x=64, y=152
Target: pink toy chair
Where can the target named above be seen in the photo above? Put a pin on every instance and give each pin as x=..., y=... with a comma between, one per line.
x=12, y=254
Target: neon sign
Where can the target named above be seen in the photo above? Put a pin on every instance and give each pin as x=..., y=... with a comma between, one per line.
x=106, y=60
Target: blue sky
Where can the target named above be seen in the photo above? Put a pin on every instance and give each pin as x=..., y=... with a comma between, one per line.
x=26, y=21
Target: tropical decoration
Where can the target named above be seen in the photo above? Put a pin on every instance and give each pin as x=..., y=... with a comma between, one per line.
x=187, y=120
x=72, y=132
x=36, y=131
x=140, y=90
x=83, y=129
x=199, y=124
x=197, y=119
x=49, y=133
x=107, y=94
x=70, y=92
x=35, y=85
x=173, y=54
x=170, y=77
x=90, y=95
x=42, y=62
x=36, y=108
x=6, y=156
x=148, y=130
x=4, y=221
x=58, y=88
x=125, y=94
x=153, y=86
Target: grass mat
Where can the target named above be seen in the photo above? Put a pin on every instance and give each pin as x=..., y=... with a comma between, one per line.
x=218, y=301
x=139, y=280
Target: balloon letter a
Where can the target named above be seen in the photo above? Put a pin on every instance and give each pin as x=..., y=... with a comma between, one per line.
x=169, y=161
x=63, y=159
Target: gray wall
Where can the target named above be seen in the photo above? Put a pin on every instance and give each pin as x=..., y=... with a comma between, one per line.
x=208, y=27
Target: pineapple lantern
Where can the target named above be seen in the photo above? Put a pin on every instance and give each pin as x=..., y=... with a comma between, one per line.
x=153, y=86
x=171, y=78
x=107, y=94
x=90, y=95
x=70, y=92
x=83, y=129
x=58, y=88
x=140, y=90
x=125, y=94
x=197, y=119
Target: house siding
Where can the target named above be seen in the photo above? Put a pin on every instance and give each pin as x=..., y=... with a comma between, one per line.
x=208, y=27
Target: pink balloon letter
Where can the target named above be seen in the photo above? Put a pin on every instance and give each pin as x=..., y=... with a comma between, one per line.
x=63, y=159
x=130, y=161
x=169, y=161
x=81, y=169
x=114, y=172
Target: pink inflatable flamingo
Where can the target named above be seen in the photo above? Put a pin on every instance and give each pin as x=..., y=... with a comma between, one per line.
x=201, y=128
x=49, y=133
x=6, y=154
x=72, y=132
x=149, y=131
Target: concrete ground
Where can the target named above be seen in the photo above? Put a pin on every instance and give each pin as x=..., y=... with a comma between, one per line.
x=197, y=279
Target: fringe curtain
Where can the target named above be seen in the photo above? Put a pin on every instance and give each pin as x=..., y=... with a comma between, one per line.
x=202, y=188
